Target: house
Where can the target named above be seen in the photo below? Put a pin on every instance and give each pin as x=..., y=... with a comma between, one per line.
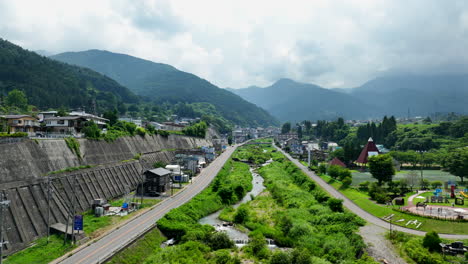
x=66, y=125
x=157, y=125
x=157, y=181
x=21, y=123
x=332, y=146
x=47, y=114
x=369, y=150
x=173, y=126
x=137, y=122
x=100, y=121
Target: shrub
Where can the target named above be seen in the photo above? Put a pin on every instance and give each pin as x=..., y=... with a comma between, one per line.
x=419, y=254
x=431, y=241
x=242, y=215
x=219, y=240
x=347, y=182
x=436, y=184
x=301, y=256
x=141, y=131
x=336, y=205
x=16, y=134
x=378, y=194
x=91, y=130
x=280, y=257
x=364, y=186
x=334, y=171
x=74, y=145
x=344, y=173
x=322, y=168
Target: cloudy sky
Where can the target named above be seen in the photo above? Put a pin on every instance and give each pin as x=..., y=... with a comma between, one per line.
x=241, y=43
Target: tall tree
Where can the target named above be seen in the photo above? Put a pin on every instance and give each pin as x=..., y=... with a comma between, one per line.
x=456, y=162
x=381, y=168
x=286, y=128
x=17, y=98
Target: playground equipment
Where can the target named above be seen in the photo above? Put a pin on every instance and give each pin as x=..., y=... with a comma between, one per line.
x=464, y=194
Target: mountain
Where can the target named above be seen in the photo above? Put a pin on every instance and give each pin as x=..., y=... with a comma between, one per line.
x=293, y=101
x=421, y=94
x=164, y=83
x=51, y=84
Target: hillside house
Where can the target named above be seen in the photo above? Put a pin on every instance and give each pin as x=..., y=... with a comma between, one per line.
x=100, y=121
x=21, y=123
x=65, y=125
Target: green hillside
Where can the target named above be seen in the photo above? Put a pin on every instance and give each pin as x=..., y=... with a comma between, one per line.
x=164, y=83
x=52, y=84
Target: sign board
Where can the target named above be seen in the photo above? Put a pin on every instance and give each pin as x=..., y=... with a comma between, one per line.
x=177, y=178
x=78, y=222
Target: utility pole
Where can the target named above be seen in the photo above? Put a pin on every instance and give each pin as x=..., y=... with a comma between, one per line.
x=142, y=191
x=48, y=208
x=308, y=156
x=3, y=204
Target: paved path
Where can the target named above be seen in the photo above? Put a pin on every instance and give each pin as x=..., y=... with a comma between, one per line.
x=111, y=243
x=357, y=210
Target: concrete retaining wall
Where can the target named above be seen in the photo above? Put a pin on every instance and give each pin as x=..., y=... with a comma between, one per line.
x=23, y=166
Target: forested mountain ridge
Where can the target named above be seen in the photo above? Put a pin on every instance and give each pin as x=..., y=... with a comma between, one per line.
x=420, y=94
x=51, y=84
x=164, y=83
x=289, y=100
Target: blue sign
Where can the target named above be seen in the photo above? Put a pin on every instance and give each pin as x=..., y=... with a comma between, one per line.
x=177, y=178
x=78, y=222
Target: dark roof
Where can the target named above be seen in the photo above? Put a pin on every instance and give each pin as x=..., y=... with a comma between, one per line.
x=64, y=118
x=337, y=161
x=159, y=171
x=369, y=147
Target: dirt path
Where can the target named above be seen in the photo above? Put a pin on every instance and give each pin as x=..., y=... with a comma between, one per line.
x=378, y=246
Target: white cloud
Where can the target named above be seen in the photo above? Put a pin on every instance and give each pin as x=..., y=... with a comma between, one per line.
x=240, y=43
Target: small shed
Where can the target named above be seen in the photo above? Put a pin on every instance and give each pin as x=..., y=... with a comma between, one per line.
x=157, y=181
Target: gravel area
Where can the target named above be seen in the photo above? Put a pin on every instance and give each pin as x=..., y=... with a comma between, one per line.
x=378, y=246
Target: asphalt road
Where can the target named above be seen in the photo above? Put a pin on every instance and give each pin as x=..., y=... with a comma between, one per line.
x=357, y=210
x=111, y=243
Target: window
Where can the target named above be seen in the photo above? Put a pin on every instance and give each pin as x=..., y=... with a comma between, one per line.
x=61, y=122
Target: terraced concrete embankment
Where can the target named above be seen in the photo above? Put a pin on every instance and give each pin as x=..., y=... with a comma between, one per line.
x=23, y=166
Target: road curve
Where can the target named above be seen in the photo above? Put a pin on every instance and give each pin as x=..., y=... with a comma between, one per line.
x=111, y=243
x=356, y=209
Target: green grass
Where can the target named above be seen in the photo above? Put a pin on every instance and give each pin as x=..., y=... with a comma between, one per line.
x=428, y=224
x=142, y=248
x=41, y=252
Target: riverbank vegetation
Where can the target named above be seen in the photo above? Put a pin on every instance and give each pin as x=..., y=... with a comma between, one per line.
x=297, y=214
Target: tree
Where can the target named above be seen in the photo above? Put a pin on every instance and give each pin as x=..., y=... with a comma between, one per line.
x=336, y=205
x=91, y=130
x=456, y=162
x=431, y=241
x=280, y=257
x=17, y=98
x=334, y=171
x=286, y=128
x=62, y=111
x=112, y=116
x=299, y=131
x=381, y=168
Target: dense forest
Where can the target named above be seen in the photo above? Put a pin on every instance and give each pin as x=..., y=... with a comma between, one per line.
x=51, y=84
x=162, y=83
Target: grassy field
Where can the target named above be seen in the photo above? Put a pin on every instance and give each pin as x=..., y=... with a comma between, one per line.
x=363, y=201
x=43, y=252
x=431, y=175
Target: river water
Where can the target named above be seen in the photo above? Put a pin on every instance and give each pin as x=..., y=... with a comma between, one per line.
x=232, y=232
